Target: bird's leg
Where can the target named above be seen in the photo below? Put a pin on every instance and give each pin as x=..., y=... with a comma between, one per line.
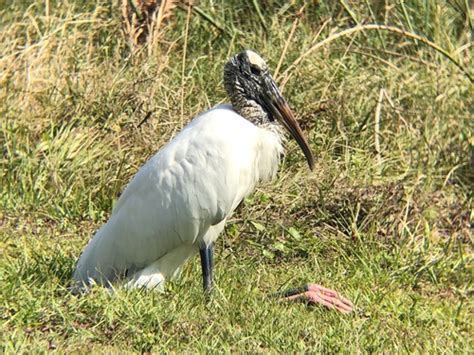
x=316, y=294
x=207, y=262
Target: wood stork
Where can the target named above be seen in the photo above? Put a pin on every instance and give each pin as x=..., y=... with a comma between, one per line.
x=178, y=202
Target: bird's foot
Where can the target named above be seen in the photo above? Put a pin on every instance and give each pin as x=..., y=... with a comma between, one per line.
x=316, y=294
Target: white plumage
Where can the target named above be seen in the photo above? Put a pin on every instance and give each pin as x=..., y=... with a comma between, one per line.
x=180, y=199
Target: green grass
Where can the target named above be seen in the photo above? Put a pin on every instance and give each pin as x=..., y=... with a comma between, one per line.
x=386, y=221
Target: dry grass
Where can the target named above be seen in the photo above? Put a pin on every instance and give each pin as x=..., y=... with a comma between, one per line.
x=143, y=21
x=386, y=217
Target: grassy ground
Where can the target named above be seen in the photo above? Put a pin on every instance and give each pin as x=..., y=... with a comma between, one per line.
x=385, y=218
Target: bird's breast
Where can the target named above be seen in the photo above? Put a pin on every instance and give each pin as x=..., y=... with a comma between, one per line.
x=241, y=147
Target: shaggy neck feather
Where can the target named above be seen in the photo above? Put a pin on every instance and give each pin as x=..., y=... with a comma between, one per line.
x=244, y=106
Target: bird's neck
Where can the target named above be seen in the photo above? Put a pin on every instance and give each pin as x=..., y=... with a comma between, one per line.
x=247, y=108
x=250, y=110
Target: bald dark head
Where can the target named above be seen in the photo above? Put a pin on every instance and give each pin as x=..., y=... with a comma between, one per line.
x=244, y=78
x=256, y=97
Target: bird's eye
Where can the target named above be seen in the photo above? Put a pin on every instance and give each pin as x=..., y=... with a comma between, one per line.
x=255, y=70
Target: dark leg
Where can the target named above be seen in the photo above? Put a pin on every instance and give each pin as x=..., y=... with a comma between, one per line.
x=206, y=263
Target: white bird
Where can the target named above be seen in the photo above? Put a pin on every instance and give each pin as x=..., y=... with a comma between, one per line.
x=179, y=201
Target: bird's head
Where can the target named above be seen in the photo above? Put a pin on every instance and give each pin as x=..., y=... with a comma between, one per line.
x=255, y=95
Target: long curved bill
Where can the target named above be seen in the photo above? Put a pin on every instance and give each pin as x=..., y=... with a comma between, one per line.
x=279, y=108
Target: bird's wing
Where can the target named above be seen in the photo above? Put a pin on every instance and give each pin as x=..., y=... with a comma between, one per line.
x=191, y=184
